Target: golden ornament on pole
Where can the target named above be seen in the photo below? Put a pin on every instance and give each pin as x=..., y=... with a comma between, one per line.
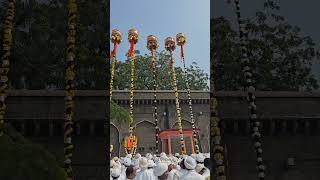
x=152, y=42
x=181, y=39
x=116, y=36
x=133, y=35
x=170, y=44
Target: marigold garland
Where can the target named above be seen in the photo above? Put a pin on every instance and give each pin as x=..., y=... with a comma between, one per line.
x=116, y=39
x=152, y=45
x=181, y=40
x=170, y=46
x=6, y=47
x=133, y=38
x=218, y=150
x=70, y=88
x=255, y=124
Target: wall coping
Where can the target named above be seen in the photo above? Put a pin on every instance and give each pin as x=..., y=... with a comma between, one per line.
x=104, y=93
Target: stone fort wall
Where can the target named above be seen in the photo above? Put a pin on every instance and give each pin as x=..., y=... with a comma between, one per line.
x=290, y=124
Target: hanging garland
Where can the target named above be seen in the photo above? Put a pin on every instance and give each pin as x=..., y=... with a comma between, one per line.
x=255, y=124
x=6, y=47
x=152, y=45
x=116, y=39
x=218, y=150
x=181, y=40
x=70, y=87
x=133, y=38
x=170, y=46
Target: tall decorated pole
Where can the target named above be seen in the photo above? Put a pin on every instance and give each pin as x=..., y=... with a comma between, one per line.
x=249, y=86
x=133, y=38
x=70, y=87
x=218, y=150
x=116, y=39
x=5, y=58
x=170, y=46
x=181, y=41
x=152, y=45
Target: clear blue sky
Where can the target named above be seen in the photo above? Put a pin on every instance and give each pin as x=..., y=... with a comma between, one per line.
x=164, y=18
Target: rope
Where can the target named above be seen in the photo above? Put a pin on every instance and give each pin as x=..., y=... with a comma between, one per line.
x=6, y=47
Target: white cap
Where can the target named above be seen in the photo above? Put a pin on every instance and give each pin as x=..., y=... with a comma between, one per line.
x=151, y=163
x=143, y=163
x=176, y=154
x=138, y=156
x=149, y=156
x=200, y=158
x=190, y=163
x=115, y=172
x=163, y=154
x=160, y=169
x=129, y=156
x=127, y=161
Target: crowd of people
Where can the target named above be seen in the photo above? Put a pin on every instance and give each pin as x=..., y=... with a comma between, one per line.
x=162, y=167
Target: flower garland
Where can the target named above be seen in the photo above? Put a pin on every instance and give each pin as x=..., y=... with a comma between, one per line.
x=116, y=39
x=133, y=39
x=152, y=45
x=255, y=124
x=70, y=87
x=181, y=40
x=218, y=150
x=170, y=46
x=6, y=46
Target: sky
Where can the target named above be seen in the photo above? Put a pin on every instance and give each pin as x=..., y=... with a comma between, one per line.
x=304, y=14
x=164, y=18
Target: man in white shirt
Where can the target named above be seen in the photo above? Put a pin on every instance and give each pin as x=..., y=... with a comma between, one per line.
x=144, y=173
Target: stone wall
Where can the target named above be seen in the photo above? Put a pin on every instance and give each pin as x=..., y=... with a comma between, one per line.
x=290, y=123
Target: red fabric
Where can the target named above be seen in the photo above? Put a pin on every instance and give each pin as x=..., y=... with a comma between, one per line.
x=131, y=50
x=115, y=46
x=182, y=54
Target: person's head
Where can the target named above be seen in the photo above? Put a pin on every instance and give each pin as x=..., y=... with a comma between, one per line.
x=190, y=163
x=126, y=162
x=161, y=171
x=131, y=172
x=143, y=163
x=115, y=173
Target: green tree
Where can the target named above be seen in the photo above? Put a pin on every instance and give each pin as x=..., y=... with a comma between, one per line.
x=144, y=79
x=21, y=159
x=280, y=54
x=118, y=113
x=39, y=48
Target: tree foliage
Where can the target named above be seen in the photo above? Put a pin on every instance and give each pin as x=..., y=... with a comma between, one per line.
x=281, y=56
x=198, y=79
x=118, y=113
x=21, y=159
x=39, y=47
